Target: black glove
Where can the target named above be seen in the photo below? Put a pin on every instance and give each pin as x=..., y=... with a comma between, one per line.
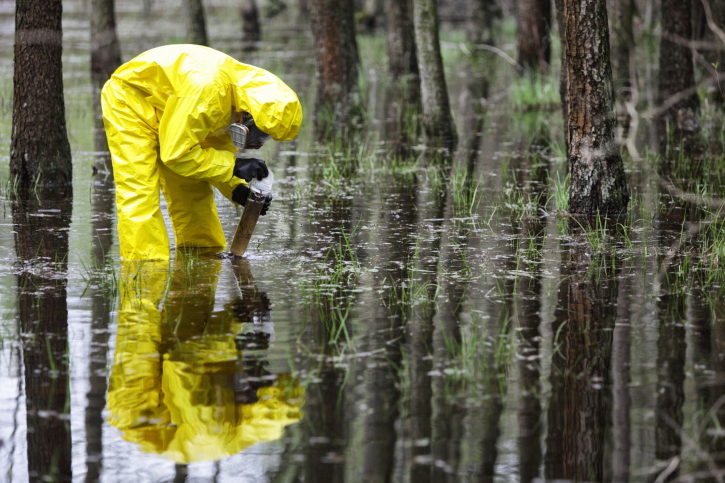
x=267, y=202
x=241, y=195
x=250, y=168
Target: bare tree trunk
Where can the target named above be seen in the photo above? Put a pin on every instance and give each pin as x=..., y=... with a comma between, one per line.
x=534, y=25
x=105, y=59
x=195, y=22
x=40, y=152
x=402, y=58
x=439, y=124
x=622, y=45
x=252, y=32
x=596, y=172
x=480, y=15
x=333, y=26
x=676, y=73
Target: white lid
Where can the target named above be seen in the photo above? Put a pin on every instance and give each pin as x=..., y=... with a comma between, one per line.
x=263, y=186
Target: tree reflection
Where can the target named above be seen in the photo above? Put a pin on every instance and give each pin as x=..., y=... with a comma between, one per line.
x=580, y=372
x=41, y=242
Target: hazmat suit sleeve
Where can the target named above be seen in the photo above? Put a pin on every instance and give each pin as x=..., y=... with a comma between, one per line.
x=185, y=124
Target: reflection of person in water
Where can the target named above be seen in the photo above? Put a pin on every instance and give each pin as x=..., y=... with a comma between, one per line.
x=190, y=379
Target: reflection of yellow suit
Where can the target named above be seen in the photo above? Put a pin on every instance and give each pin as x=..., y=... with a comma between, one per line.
x=172, y=382
x=165, y=114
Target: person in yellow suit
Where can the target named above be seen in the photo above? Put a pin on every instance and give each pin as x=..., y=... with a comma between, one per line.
x=167, y=114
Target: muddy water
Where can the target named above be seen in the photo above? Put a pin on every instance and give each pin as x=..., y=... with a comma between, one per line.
x=387, y=325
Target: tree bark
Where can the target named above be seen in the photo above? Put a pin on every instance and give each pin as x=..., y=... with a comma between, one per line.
x=195, y=22
x=622, y=45
x=534, y=25
x=105, y=59
x=40, y=152
x=252, y=32
x=676, y=72
x=402, y=58
x=596, y=172
x=438, y=123
x=333, y=26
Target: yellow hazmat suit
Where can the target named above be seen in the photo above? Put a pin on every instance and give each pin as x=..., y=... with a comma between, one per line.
x=174, y=386
x=166, y=114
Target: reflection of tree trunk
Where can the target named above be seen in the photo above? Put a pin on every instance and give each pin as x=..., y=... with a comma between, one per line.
x=620, y=385
x=195, y=22
x=671, y=348
x=676, y=72
x=416, y=427
x=381, y=397
x=251, y=29
x=580, y=372
x=707, y=368
x=527, y=313
x=325, y=418
x=337, y=61
x=43, y=314
x=448, y=414
x=40, y=152
x=439, y=124
x=534, y=23
x=597, y=179
x=102, y=299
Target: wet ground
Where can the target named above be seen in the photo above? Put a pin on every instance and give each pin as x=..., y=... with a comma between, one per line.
x=397, y=318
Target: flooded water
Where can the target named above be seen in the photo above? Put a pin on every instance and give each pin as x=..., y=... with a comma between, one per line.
x=397, y=318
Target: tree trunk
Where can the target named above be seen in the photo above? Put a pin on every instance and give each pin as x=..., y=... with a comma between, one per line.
x=479, y=21
x=251, y=29
x=105, y=59
x=40, y=152
x=622, y=45
x=333, y=26
x=402, y=59
x=195, y=22
x=677, y=88
x=438, y=122
x=596, y=172
x=534, y=24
